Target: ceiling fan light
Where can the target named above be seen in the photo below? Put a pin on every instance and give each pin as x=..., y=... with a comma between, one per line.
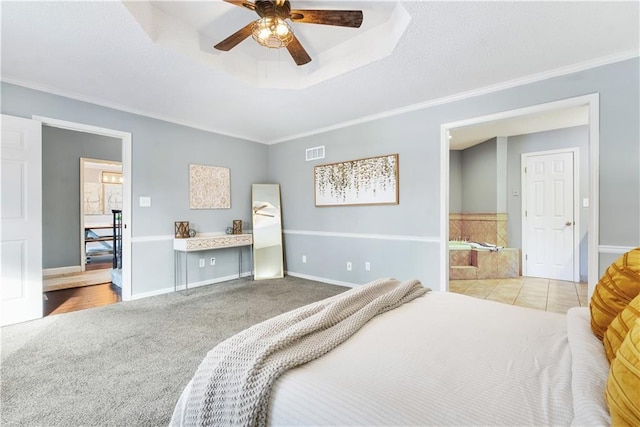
x=272, y=32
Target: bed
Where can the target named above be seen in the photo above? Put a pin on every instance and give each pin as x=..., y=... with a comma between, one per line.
x=449, y=359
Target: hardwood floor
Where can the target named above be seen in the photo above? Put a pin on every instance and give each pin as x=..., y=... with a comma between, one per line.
x=98, y=265
x=74, y=299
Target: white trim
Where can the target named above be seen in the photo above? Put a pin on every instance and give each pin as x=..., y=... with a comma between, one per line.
x=593, y=234
x=617, y=250
x=598, y=62
x=593, y=102
x=322, y=279
x=145, y=239
x=576, y=204
x=46, y=272
x=126, y=187
x=191, y=286
x=444, y=207
x=623, y=56
x=119, y=107
x=396, y=237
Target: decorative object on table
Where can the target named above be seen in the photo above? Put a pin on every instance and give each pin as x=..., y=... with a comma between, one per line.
x=370, y=181
x=192, y=232
x=229, y=230
x=181, y=229
x=209, y=187
x=268, y=258
x=237, y=226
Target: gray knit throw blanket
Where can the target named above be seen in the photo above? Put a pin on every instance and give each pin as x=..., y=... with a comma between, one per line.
x=233, y=383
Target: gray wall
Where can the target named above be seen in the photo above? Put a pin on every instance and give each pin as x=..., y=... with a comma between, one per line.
x=455, y=181
x=399, y=240
x=415, y=136
x=162, y=152
x=61, y=152
x=575, y=137
x=479, y=178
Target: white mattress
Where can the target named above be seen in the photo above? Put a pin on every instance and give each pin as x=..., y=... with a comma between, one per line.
x=449, y=359
x=463, y=361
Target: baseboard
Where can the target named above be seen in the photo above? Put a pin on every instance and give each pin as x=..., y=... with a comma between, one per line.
x=191, y=286
x=46, y=272
x=322, y=279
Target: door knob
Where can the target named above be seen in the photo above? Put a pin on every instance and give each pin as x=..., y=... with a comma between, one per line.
x=568, y=223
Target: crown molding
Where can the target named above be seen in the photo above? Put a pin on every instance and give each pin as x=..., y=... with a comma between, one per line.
x=622, y=56
x=114, y=106
x=610, y=59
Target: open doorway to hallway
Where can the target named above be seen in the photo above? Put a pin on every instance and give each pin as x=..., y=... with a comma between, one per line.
x=82, y=184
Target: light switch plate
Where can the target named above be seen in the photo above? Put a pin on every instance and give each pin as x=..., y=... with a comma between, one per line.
x=145, y=202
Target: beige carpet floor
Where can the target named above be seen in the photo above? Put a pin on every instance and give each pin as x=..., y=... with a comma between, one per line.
x=126, y=364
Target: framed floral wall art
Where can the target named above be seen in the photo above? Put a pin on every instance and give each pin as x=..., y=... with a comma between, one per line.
x=370, y=181
x=209, y=187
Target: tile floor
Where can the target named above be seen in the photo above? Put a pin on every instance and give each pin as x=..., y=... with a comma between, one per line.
x=543, y=294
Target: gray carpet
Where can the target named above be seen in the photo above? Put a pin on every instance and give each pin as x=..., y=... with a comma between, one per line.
x=126, y=364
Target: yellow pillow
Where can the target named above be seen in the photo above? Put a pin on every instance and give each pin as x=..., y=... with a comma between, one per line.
x=617, y=287
x=620, y=326
x=623, y=385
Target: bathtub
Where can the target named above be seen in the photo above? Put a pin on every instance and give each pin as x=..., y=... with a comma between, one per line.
x=458, y=245
x=466, y=261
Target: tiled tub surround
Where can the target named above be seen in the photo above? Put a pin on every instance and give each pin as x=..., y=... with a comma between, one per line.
x=479, y=227
x=472, y=263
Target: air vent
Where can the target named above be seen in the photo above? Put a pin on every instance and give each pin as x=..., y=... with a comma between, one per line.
x=315, y=153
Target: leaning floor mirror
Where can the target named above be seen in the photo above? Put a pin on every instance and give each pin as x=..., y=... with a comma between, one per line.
x=267, y=232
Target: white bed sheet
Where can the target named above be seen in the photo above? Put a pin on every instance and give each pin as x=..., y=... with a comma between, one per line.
x=442, y=359
x=589, y=371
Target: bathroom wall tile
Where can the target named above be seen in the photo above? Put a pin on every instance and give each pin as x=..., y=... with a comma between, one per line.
x=459, y=257
x=463, y=272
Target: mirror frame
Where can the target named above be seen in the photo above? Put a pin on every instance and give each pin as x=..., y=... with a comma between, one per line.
x=268, y=254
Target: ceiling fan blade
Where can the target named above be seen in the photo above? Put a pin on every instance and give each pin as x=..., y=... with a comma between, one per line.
x=234, y=39
x=341, y=18
x=242, y=3
x=297, y=51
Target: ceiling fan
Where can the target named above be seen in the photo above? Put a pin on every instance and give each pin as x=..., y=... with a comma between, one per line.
x=271, y=29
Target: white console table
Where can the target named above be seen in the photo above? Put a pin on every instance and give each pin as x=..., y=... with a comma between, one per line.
x=206, y=243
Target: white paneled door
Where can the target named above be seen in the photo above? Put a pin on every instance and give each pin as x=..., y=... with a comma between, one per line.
x=548, y=242
x=21, y=214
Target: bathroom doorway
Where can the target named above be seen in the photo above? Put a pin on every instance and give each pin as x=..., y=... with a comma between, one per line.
x=527, y=117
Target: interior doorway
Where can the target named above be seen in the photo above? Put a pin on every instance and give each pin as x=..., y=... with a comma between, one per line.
x=78, y=236
x=124, y=270
x=100, y=195
x=550, y=206
x=591, y=103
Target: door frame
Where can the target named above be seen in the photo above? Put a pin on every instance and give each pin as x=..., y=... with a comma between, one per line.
x=592, y=101
x=83, y=160
x=126, y=186
x=576, y=204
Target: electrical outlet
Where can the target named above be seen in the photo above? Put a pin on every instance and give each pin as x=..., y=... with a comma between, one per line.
x=304, y=259
x=349, y=266
x=213, y=261
x=201, y=262
x=367, y=266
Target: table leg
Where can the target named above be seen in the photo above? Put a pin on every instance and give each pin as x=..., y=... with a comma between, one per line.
x=186, y=273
